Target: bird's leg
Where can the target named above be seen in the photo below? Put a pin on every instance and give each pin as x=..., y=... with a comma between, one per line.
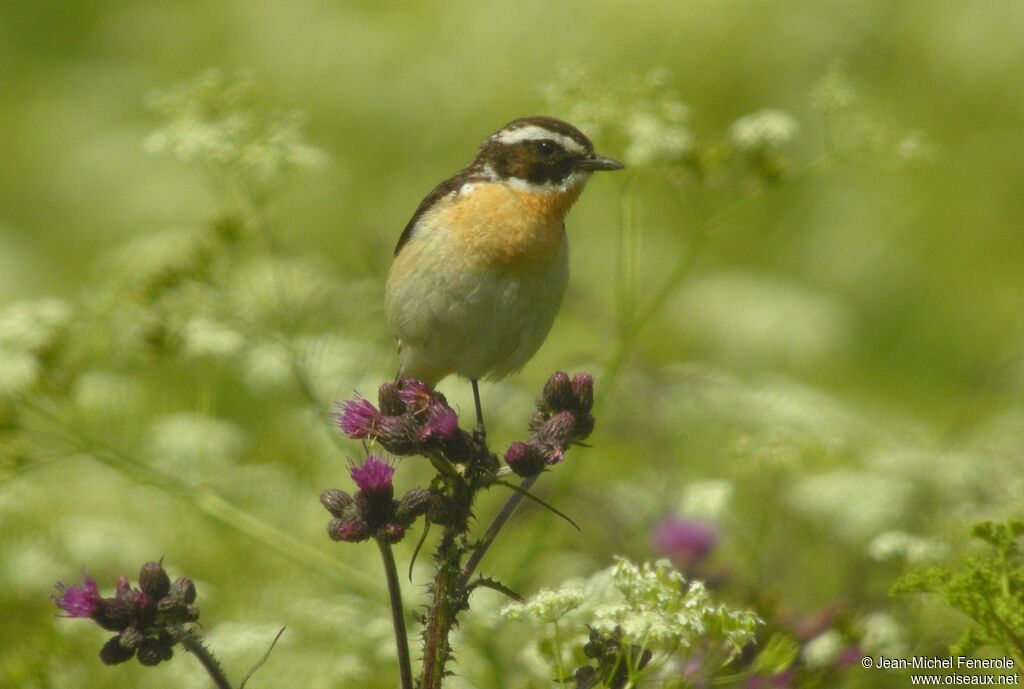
x=480, y=432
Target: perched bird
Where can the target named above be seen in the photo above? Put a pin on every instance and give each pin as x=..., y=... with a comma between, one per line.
x=481, y=268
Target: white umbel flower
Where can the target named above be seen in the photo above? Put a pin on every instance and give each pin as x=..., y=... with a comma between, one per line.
x=763, y=129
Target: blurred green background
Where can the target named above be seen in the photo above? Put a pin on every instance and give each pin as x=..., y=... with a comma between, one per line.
x=832, y=371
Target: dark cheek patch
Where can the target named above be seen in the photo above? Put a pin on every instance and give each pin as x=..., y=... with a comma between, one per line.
x=519, y=162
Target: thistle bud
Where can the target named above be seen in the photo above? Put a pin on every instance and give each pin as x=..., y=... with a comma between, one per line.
x=351, y=529
x=558, y=431
x=558, y=393
x=154, y=651
x=130, y=638
x=389, y=397
x=584, y=427
x=525, y=459
x=583, y=391
x=392, y=532
x=398, y=434
x=460, y=448
x=153, y=580
x=336, y=501
x=414, y=503
x=113, y=653
x=114, y=614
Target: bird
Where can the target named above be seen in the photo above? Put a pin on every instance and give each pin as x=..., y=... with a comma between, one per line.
x=480, y=269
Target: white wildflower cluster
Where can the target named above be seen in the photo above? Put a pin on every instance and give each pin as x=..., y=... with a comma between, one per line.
x=660, y=608
x=854, y=130
x=882, y=635
x=28, y=329
x=822, y=650
x=194, y=446
x=207, y=337
x=214, y=121
x=856, y=503
x=640, y=113
x=546, y=606
x=833, y=92
x=707, y=499
x=914, y=549
x=749, y=318
x=765, y=129
x=105, y=392
x=154, y=255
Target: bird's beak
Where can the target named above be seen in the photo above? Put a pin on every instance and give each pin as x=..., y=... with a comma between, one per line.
x=598, y=162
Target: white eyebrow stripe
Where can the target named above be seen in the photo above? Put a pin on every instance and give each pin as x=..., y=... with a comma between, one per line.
x=533, y=132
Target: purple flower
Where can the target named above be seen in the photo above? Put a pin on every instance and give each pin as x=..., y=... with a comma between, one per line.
x=415, y=394
x=525, y=459
x=685, y=540
x=442, y=423
x=373, y=475
x=358, y=418
x=78, y=601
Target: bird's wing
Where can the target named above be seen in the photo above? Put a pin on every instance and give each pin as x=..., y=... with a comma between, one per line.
x=446, y=187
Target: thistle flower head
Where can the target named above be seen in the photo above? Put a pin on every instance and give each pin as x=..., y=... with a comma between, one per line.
x=416, y=394
x=373, y=475
x=442, y=422
x=78, y=601
x=389, y=397
x=358, y=418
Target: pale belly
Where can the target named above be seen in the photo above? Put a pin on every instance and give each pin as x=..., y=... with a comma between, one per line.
x=450, y=316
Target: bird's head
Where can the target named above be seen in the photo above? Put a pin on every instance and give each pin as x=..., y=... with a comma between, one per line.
x=540, y=154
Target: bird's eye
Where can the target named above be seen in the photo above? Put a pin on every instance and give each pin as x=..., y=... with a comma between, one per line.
x=546, y=148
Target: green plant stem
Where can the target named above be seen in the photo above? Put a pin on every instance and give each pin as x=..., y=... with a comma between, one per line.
x=397, y=613
x=194, y=645
x=504, y=514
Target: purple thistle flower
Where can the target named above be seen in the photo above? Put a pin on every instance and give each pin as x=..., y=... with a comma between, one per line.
x=358, y=418
x=78, y=601
x=686, y=541
x=373, y=475
x=442, y=422
x=415, y=394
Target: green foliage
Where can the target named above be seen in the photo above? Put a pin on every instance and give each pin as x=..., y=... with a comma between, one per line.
x=988, y=589
x=812, y=343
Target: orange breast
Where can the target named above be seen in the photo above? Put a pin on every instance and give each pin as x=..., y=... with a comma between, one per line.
x=496, y=226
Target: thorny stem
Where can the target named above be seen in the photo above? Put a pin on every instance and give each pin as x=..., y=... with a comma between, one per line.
x=448, y=596
x=397, y=613
x=194, y=645
x=492, y=531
